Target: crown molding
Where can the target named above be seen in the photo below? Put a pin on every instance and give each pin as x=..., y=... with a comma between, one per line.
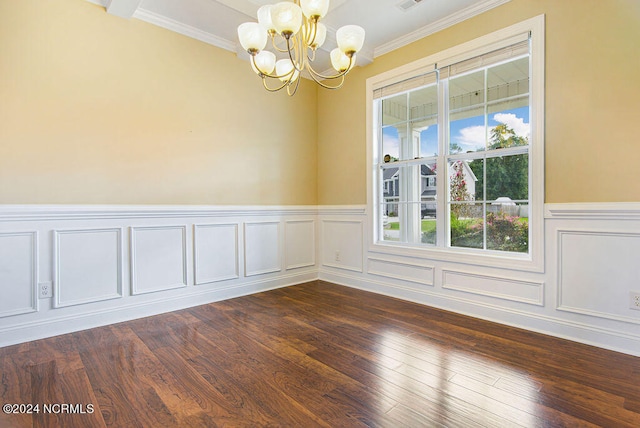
x=185, y=30
x=364, y=57
x=441, y=24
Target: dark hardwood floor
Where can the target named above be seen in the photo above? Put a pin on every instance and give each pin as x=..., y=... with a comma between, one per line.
x=316, y=354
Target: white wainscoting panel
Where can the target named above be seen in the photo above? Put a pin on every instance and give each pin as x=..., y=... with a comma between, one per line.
x=342, y=244
x=513, y=289
x=158, y=258
x=262, y=248
x=18, y=273
x=300, y=243
x=87, y=266
x=596, y=272
x=413, y=272
x=215, y=252
x=112, y=263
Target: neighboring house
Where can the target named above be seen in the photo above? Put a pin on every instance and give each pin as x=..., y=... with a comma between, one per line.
x=391, y=188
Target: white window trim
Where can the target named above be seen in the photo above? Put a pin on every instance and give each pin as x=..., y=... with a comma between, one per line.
x=534, y=261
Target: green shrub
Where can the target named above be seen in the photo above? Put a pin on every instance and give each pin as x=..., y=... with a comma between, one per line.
x=507, y=233
x=504, y=233
x=466, y=232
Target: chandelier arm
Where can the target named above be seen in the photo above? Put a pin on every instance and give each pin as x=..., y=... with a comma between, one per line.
x=276, y=47
x=312, y=57
x=264, y=83
x=295, y=87
x=317, y=75
x=311, y=25
x=294, y=54
x=340, y=74
x=301, y=53
x=324, y=85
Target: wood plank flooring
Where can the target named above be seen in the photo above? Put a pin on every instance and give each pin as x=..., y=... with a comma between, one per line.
x=317, y=354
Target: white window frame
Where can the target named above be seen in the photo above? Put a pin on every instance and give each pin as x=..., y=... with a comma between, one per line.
x=532, y=261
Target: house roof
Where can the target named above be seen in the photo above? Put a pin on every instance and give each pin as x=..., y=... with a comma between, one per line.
x=388, y=173
x=425, y=170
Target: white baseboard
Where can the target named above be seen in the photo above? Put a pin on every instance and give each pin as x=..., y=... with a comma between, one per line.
x=89, y=318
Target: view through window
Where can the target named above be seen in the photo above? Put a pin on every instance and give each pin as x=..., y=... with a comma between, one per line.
x=454, y=144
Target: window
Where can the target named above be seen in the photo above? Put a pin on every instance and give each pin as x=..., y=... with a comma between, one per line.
x=457, y=148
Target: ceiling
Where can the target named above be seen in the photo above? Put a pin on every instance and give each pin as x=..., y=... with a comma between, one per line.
x=389, y=24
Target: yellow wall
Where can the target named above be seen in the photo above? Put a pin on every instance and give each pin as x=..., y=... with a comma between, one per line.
x=96, y=109
x=592, y=101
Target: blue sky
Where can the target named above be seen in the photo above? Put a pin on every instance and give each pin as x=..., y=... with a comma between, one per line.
x=468, y=133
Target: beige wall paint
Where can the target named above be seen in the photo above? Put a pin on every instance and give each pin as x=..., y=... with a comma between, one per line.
x=592, y=101
x=96, y=109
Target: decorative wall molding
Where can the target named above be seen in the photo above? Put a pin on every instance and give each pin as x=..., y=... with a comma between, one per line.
x=158, y=258
x=18, y=273
x=594, y=211
x=504, y=288
x=300, y=243
x=129, y=212
x=342, y=210
x=87, y=266
x=571, y=298
x=568, y=297
x=262, y=251
x=405, y=271
x=216, y=255
x=342, y=244
x=596, y=271
x=148, y=258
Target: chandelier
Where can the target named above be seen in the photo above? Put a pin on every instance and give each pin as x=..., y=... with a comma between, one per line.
x=296, y=34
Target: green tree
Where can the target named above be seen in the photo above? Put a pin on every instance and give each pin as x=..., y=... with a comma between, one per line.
x=508, y=175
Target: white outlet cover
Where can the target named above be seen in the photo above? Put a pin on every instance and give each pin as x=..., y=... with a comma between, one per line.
x=49, y=293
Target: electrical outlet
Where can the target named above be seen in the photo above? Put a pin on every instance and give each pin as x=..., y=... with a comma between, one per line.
x=634, y=300
x=337, y=256
x=45, y=290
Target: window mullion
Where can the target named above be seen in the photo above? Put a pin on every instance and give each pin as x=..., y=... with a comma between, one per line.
x=442, y=180
x=484, y=170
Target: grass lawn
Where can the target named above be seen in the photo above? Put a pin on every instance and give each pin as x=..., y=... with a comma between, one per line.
x=428, y=225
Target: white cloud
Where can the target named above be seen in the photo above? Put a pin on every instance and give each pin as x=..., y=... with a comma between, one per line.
x=514, y=122
x=471, y=138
